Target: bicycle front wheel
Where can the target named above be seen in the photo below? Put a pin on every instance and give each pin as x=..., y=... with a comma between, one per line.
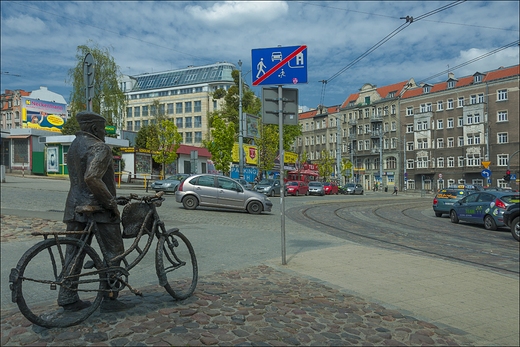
x=44, y=272
x=176, y=264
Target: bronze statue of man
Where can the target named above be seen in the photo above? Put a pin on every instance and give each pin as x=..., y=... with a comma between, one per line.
x=91, y=174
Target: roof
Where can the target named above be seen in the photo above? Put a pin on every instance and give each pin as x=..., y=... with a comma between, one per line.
x=384, y=92
x=185, y=149
x=46, y=95
x=466, y=81
x=219, y=72
x=314, y=113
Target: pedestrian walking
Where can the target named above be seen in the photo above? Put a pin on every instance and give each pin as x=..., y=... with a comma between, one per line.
x=395, y=190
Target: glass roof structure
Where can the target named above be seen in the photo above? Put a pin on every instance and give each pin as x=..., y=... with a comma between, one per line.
x=219, y=72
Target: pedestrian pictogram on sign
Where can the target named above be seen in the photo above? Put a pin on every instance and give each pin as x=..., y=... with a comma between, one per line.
x=279, y=65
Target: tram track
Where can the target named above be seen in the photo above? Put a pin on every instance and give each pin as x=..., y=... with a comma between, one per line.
x=406, y=228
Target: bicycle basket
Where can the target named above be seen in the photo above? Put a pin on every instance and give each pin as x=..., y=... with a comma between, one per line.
x=133, y=217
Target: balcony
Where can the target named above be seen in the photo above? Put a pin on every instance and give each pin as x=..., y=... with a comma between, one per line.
x=376, y=118
x=352, y=136
x=352, y=122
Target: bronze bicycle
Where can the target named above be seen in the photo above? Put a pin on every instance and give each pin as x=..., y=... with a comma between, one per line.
x=43, y=269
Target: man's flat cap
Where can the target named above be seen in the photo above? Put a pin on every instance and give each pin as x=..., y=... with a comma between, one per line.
x=89, y=117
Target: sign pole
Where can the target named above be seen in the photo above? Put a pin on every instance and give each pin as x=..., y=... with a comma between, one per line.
x=282, y=162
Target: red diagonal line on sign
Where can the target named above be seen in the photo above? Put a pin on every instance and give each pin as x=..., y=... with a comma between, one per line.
x=279, y=65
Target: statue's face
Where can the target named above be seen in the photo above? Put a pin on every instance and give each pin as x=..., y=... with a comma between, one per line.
x=98, y=130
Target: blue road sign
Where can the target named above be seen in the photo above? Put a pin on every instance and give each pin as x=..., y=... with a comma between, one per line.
x=279, y=65
x=513, y=177
x=486, y=173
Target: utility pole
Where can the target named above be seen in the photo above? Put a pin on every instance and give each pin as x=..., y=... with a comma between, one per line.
x=338, y=150
x=240, y=125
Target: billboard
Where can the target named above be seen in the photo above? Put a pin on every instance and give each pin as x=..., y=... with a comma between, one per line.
x=43, y=115
x=250, y=154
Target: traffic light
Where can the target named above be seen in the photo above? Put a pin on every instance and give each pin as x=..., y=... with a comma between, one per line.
x=507, y=177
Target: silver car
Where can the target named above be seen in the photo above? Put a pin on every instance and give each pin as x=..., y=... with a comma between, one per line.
x=220, y=191
x=169, y=184
x=269, y=186
x=316, y=188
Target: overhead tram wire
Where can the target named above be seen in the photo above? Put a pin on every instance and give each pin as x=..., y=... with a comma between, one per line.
x=485, y=55
x=409, y=20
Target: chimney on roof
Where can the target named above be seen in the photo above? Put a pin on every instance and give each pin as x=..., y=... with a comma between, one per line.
x=451, y=75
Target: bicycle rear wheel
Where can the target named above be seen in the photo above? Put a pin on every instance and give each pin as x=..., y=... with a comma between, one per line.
x=43, y=271
x=176, y=264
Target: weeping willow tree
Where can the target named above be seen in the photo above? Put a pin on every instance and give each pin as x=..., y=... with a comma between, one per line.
x=109, y=100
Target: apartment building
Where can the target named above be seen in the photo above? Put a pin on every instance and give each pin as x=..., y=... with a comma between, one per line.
x=12, y=108
x=456, y=128
x=184, y=96
x=422, y=137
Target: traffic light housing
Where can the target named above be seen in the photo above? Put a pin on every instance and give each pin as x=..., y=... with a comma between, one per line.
x=507, y=177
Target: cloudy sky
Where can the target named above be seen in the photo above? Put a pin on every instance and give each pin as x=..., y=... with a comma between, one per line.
x=350, y=43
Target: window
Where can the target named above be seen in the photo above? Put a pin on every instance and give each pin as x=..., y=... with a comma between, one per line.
x=393, y=143
x=187, y=107
x=440, y=106
x=472, y=99
x=169, y=108
x=323, y=139
x=410, y=164
x=502, y=116
x=422, y=162
x=409, y=128
x=450, y=123
x=469, y=119
x=461, y=121
x=137, y=125
x=306, y=140
x=477, y=139
x=502, y=137
x=480, y=98
x=423, y=108
x=188, y=137
x=394, y=126
x=393, y=109
x=367, y=145
x=409, y=146
x=449, y=105
x=137, y=111
x=197, y=123
x=367, y=128
x=451, y=84
x=476, y=118
x=440, y=143
x=473, y=160
x=451, y=142
x=198, y=137
x=178, y=107
x=187, y=122
x=477, y=78
x=197, y=106
x=440, y=162
x=502, y=159
x=317, y=139
x=331, y=138
x=145, y=111
x=451, y=162
x=440, y=124
x=461, y=141
x=460, y=161
x=470, y=139
x=128, y=112
x=367, y=112
x=360, y=129
x=460, y=101
x=178, y=122
x=409, y=111
x=501, y=94
x=129, y=126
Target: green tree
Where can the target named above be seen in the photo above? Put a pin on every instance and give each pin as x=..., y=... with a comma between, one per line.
x=146, y=132
x=221, y=142
x=108, y=100
x=165, y=143
x=326, y=165
x=267, y=146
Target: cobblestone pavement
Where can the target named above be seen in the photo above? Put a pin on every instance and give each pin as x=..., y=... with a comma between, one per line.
x=254, y=306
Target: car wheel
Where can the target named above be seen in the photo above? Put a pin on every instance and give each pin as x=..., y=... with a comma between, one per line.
x=438, y=214
x=271, y=194
x=190, y=202
x=515, y=228
x=453, y=217
x=307, y=193
x=489, y=223
x=254, y=207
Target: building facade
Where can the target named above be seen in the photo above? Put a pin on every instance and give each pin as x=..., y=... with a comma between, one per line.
x=455, y=129
x=422, y=137
x=183, y=96
x=12, y=108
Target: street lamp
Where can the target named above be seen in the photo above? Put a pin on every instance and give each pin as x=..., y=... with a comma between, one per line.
x=240, y=125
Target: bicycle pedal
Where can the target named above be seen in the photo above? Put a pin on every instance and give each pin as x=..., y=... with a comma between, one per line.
x=89, y=265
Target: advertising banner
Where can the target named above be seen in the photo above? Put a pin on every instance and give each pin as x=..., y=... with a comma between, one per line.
x=52, y=160
x=43, y=115
x=250, y=154
x=252, y=126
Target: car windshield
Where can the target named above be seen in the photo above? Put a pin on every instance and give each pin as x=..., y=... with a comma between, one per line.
x=292, y=183
x=327, y=184
x=176, y=177
x=509, y=199
x=315, y=184
x=268, y=182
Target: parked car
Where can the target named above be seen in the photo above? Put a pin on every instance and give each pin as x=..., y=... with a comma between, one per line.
x=168, y=185
x=330, y=188
x=486, y=207
x=268, y=186
x=351, y=188
x=512, y=219
x=297, y=188
x=220, y=191
x=445, y=198
x=316, y=188
x=244, y=183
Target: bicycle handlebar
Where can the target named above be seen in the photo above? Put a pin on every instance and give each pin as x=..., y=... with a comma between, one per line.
x=157, y=198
